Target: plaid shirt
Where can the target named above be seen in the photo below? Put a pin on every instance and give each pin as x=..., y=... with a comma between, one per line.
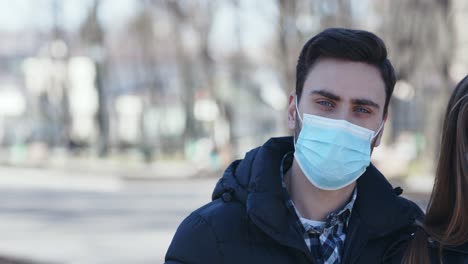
x=326, y=241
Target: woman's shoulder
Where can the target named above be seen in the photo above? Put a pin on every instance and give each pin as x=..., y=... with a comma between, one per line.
x=451, y=254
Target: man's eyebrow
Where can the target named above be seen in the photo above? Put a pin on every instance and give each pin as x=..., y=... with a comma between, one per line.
x=365, y=102
x=327, y=94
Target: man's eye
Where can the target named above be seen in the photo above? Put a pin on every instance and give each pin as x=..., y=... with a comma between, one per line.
x=361, y=110
x=325, y=103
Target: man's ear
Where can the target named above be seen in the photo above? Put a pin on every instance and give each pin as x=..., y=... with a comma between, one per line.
x=379, y=137
x=292, y=111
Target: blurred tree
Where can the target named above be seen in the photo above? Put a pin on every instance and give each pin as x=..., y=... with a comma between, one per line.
x=420, y=34
x=50, y=109
x=142, y=31
x=290, y=40
x=203, y=22
x=299, y=20
x=180, y=16
x=59, y=54
x=335, y=13
x=92, y=34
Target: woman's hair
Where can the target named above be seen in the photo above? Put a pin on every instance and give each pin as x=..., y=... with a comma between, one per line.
x=446, y=218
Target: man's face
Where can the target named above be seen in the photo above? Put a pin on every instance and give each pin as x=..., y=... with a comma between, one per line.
x=345, y=90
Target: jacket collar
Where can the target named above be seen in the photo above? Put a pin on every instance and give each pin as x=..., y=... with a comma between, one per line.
x=378, y=211
x=265, y=203
x=381, y=210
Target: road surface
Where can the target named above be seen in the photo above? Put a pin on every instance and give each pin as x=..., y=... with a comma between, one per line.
x=53, y=217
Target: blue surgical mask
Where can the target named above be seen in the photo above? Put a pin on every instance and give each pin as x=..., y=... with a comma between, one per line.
x=332, y=153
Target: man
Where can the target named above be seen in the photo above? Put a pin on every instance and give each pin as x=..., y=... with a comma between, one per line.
x=314, y=197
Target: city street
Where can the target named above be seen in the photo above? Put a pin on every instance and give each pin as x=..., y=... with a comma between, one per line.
x=54, y=217
x=51, y=218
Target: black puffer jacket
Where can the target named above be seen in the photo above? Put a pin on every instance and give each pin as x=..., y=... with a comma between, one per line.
x=248, y=222
x=450, y=255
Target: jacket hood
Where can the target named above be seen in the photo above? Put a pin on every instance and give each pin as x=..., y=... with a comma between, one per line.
x=259, y=171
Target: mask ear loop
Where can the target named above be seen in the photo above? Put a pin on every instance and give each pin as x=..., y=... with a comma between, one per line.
x=378, y=130
x=300, y=118
x=297, y=110
x=377, y=133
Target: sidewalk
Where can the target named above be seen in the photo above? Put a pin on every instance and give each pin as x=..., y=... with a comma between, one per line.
x=126, y=169
x=109, y=175
x=11, y=260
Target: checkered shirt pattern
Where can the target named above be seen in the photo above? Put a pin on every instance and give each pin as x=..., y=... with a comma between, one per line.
x=326, y=242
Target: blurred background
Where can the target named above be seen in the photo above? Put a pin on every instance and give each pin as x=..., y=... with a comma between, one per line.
x=118, y=116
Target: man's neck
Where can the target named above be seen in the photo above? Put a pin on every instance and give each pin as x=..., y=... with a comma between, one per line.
x=311, y=202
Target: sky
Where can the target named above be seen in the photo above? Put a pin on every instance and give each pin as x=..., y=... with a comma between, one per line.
x=257, y=19
x=37, y=14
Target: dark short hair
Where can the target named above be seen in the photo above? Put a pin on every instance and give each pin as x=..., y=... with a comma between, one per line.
x=346, y=44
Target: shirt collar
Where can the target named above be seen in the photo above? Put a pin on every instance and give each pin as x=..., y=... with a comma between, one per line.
x=334, y=218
